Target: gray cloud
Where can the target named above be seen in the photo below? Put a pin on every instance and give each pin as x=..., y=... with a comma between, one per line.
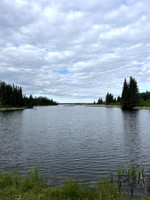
x=100, y=43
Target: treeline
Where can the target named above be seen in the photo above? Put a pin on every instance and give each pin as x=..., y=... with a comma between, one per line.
x=38, y=101
x=109, y=99
x=130, y=96
x=145, y=98
x=11, y=95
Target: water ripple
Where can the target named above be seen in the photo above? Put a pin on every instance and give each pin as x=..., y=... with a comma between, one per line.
x=80, y=142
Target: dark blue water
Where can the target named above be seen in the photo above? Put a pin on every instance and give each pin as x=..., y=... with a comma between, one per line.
x=81, y=142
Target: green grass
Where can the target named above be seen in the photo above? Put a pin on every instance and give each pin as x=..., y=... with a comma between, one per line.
x=145, y=103
x=117, y=104
x=2, y=106
x=6, y=106
x=32, y=187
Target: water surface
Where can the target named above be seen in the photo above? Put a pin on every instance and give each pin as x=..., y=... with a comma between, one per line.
x=81, y=142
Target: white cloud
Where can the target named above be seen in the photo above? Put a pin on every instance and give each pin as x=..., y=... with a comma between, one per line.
x=99, y=42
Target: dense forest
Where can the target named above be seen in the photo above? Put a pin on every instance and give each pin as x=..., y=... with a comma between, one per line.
x=12, y=96
x=130, y=96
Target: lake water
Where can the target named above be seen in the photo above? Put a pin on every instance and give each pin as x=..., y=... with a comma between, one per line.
x=85, y=143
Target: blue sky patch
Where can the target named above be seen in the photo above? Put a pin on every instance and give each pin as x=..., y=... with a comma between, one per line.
x=64, y=72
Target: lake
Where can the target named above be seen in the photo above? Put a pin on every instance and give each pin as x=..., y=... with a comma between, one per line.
x=82, y=142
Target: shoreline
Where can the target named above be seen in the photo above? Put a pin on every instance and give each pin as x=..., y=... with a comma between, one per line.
x=141, y=108
x=117, y=106
x=103, y=105
x=12, y=109
x=86, y=105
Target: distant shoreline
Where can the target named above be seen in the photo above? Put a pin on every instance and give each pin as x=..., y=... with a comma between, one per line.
x=86, y=105
x=140, y=107
x=117, y=106
x=102, y=105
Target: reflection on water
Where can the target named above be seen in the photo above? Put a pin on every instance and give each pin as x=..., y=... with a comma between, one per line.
x=132, y=140
x=10, y=138
x=81, y=142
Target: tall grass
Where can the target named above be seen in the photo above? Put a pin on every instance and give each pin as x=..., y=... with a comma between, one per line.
x=32, y=187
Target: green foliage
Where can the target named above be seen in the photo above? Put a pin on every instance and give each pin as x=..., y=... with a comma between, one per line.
x=11, y=96
x=108, y=190
x=119, y=177
x=135, y=177
x=100, y=101
x=125, y=95
x=118, y=99
x=148, y=181
x=145, y=95
x=44, y=101
x=31, y=187
x=145, y=103
x=132, y=173
x=117, y=104
x=130, y=94
x=31, y=181
x=145, y=99
x=109, y=98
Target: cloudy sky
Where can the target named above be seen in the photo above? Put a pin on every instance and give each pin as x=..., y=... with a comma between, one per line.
x=74, y=50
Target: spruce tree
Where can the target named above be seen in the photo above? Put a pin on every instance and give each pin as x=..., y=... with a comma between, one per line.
x=125, y=95
x=100, y=101
x=130, y=94
x=118, y=99
x=134, y=93
x=109, y=98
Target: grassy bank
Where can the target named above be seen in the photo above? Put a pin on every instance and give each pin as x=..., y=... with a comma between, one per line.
x=8, y=108
x=11, y=109
x=145, y=103
x=32, y=187
x=2, y=106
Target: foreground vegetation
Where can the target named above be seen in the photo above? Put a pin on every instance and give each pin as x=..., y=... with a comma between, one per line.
x=32, y=187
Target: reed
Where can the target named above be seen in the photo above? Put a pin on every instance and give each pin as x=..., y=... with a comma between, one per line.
x=32, y=187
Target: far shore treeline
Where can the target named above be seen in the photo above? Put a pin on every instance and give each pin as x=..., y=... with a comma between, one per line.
x=129, y=98
x=12, y=96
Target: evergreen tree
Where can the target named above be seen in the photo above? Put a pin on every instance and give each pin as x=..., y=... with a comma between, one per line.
x=114, y=100
x=118, y=99
x=109, y=98
x=11, y=95
x=133, y=93
x=100, y=101
x=130, y=94
x=125, y=95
